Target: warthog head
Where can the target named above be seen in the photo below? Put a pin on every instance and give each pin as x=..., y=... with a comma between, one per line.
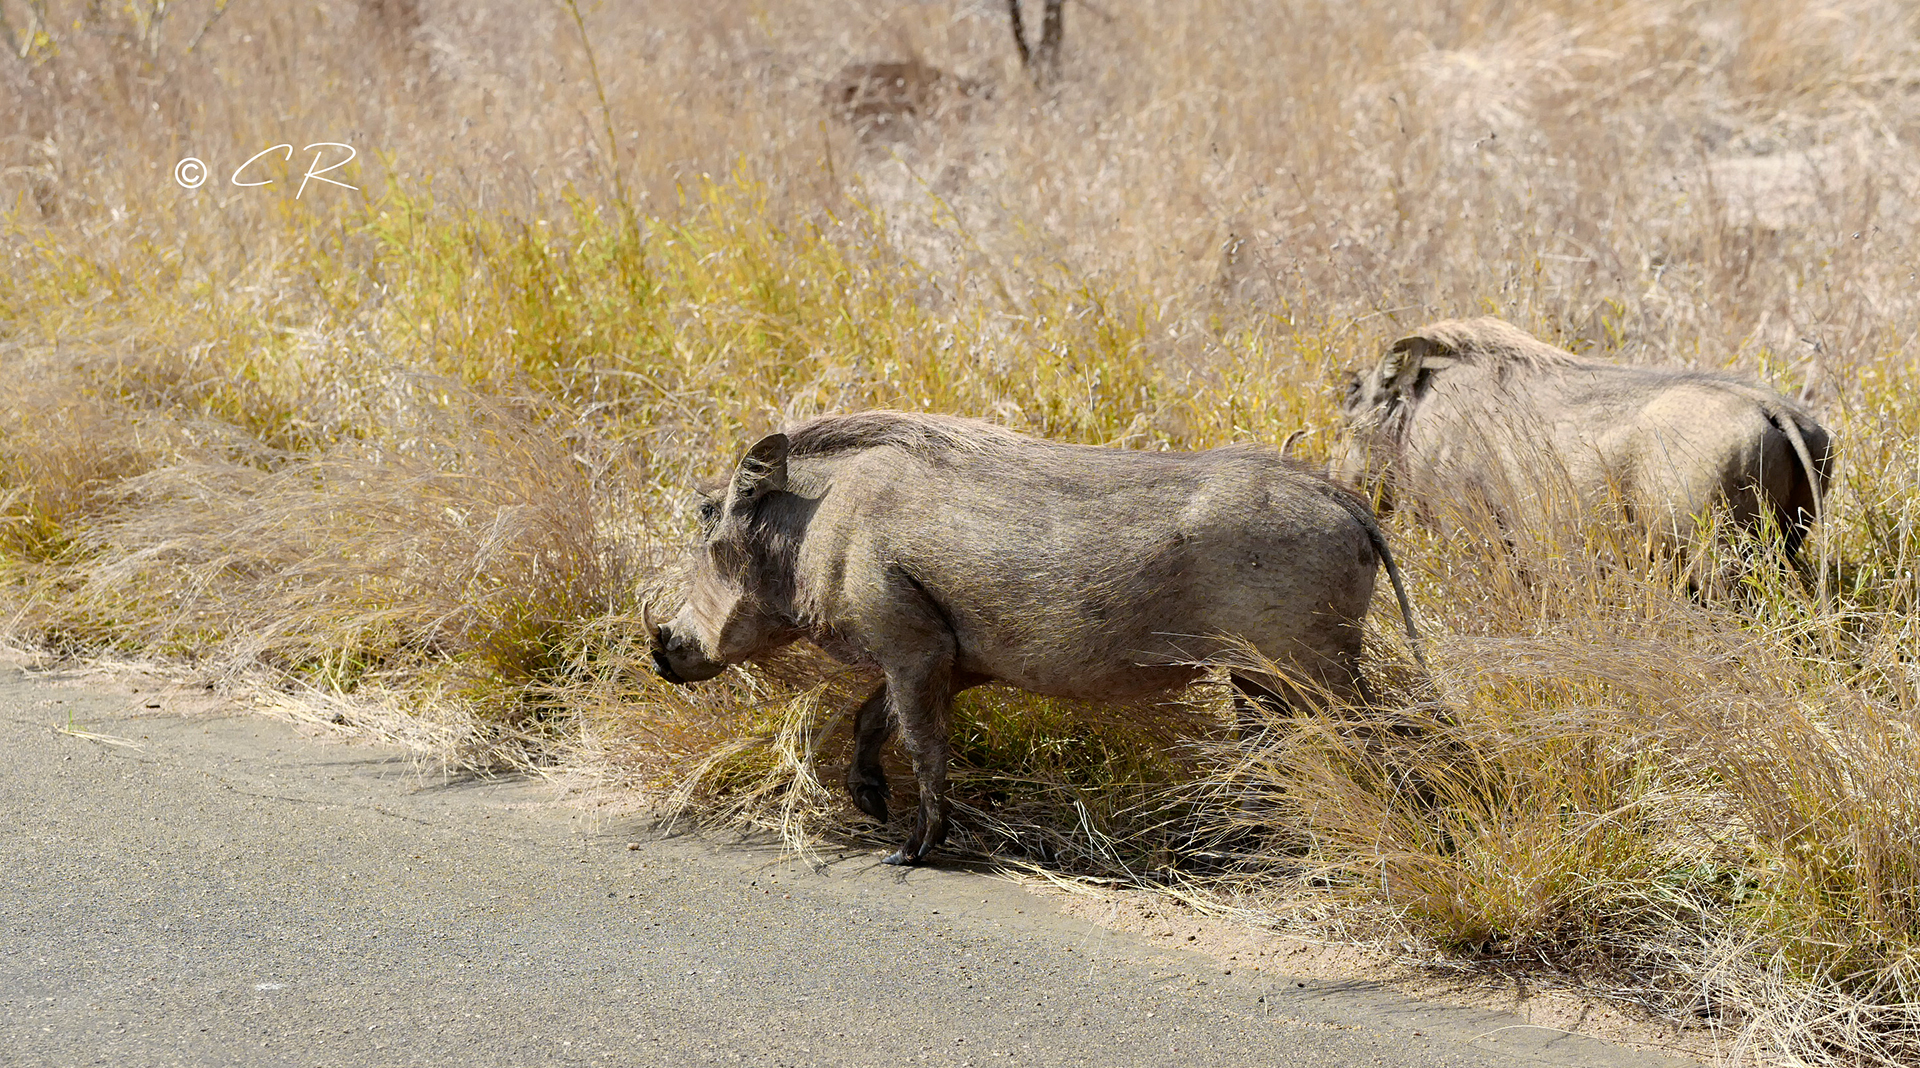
x=739, y=601
x=1376, y=401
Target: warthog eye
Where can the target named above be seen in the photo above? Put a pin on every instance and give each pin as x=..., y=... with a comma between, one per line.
x=709, y=514
x=1357, y=396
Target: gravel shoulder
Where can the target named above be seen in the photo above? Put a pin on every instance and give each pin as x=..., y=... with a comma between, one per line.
x=191, y=886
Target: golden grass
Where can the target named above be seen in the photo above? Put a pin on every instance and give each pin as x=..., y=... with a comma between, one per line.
x=427, y=441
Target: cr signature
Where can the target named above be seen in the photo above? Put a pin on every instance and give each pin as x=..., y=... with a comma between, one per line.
x=192, y=172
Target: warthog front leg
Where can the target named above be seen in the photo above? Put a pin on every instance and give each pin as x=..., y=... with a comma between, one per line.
x=866, y=779
x=922, y=701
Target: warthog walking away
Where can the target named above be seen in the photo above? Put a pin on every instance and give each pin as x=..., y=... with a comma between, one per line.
x=1483, y=409
x=949, y=552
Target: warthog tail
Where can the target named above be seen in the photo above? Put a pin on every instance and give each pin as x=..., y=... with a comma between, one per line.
x=1783, y=416
x=1791, y=427
x=1364, y=516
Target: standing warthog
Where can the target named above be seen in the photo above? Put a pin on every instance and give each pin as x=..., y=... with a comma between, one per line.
x=949, y=552
x=1480, y=408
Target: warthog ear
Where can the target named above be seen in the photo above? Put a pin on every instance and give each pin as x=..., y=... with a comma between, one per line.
x=1401, y=367
x=763, y=470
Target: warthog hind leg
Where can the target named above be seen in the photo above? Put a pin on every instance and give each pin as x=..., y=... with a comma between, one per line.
x=866, y=779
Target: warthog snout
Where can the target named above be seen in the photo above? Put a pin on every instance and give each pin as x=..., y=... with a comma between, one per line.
x=662, y=666
x=679, y=660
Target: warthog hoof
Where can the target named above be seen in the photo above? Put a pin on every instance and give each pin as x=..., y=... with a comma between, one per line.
x=899, y=858
x=927, y=835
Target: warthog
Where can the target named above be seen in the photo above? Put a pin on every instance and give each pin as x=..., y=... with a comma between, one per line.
x=1483, y=409
x=949, y=552
x=881, y=100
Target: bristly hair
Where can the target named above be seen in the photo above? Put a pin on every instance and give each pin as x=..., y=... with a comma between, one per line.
x=940, y=438
x=922, y=433
x=1493, y=342
x=1501, y=347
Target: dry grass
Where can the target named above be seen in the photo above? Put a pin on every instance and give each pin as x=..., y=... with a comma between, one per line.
x=426, y=441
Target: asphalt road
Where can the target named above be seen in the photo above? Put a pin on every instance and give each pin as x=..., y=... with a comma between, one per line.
x=224, y=891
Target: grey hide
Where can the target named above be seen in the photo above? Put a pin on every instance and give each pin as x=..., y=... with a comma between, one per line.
x=949, y=552
x=1479, y=412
